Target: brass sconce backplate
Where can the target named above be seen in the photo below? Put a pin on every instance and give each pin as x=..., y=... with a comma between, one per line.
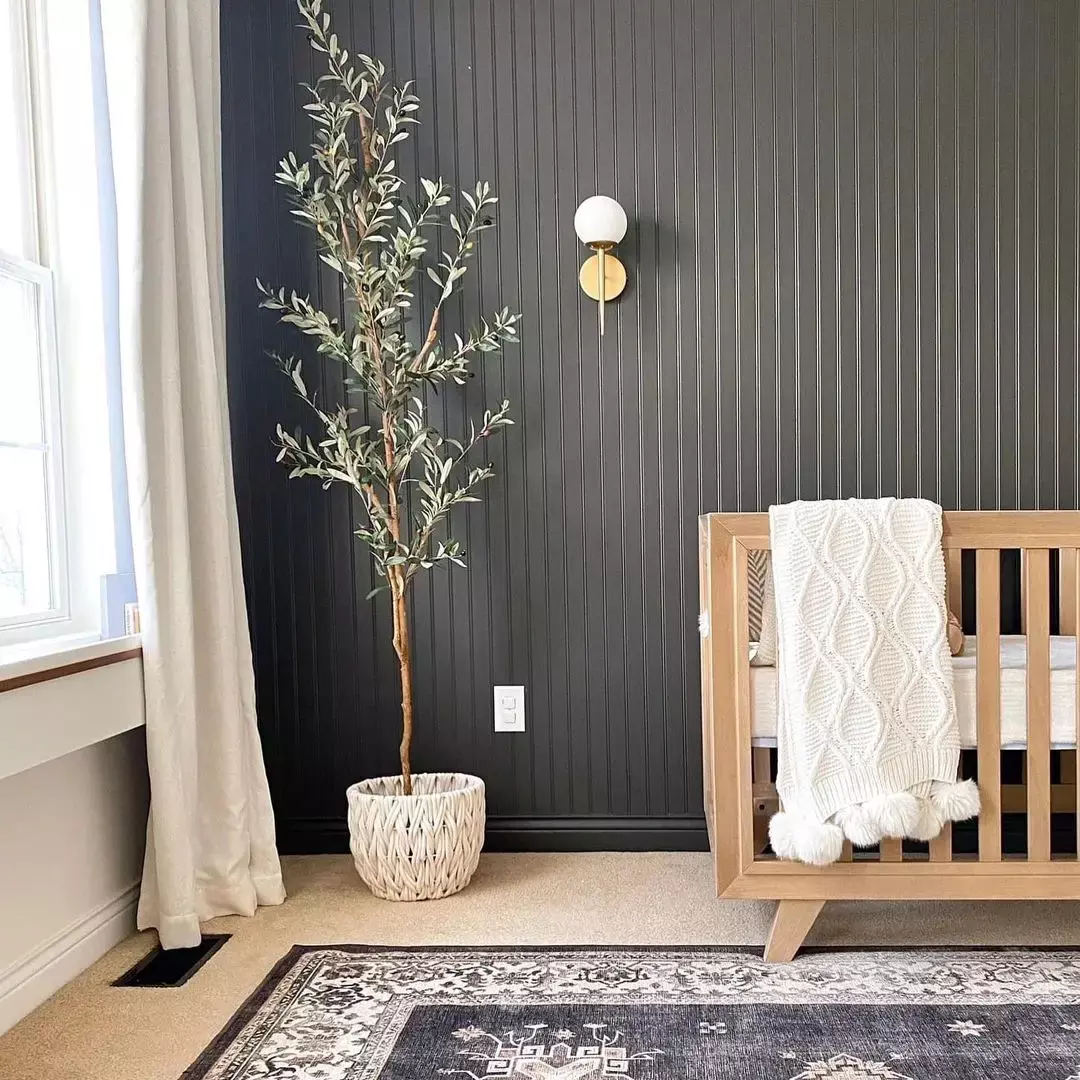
x=614, y=277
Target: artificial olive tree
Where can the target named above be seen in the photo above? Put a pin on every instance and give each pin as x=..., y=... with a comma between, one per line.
x=380, y=440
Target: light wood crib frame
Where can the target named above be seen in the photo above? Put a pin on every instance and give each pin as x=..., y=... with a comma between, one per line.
x=739, y=793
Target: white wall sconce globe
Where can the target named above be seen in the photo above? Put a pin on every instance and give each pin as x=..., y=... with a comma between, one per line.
x=600, y=220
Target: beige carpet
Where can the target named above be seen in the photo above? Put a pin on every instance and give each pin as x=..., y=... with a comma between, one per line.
x=92, y=1031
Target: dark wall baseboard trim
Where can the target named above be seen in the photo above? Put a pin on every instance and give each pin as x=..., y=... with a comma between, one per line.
x=312, y=836
x=596, y=834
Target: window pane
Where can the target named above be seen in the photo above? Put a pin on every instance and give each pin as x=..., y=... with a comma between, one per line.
x=16, y=176
x=25, y=577
x=20, y=362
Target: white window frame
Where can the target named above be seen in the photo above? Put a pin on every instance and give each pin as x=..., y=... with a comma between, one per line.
x=62, y=264
x=40, y=279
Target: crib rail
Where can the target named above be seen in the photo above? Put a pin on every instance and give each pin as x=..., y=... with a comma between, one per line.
x=739, y=790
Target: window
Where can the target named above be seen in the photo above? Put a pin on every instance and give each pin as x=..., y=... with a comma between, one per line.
x=57, y=473
x=33, y=578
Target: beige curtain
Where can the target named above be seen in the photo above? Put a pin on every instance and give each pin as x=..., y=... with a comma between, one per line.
x=210, y=839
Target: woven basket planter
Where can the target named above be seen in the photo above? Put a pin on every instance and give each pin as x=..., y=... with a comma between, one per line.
x=420, y=846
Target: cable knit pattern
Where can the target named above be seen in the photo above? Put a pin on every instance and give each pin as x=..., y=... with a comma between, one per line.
x=866, y=726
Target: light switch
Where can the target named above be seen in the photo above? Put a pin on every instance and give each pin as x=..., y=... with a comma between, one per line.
x=509, y=708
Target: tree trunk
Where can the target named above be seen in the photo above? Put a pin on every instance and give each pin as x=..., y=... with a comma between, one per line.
x=401, y=647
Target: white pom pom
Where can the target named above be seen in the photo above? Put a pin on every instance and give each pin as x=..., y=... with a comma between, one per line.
x=929, y=822
x=956, y=802
x=866, y=824
x=858, y=825
x=798, y=838
x=896, y=814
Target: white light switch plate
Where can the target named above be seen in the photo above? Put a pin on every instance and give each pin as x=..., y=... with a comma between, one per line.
x=509, y=708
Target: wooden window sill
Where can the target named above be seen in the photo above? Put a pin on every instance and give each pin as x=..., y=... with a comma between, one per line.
x=63, y=659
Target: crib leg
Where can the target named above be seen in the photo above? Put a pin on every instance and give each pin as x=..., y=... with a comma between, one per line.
x=791, y=924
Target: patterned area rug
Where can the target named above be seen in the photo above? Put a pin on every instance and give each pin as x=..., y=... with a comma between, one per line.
x=351, y=1012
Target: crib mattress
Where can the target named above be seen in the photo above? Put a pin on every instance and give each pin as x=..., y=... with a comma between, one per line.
x=1013, y=694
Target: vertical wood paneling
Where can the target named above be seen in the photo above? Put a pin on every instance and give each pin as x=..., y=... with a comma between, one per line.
x=853, y=256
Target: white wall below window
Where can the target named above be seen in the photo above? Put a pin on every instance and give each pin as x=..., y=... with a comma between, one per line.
x=60, y=715
x=72, y=832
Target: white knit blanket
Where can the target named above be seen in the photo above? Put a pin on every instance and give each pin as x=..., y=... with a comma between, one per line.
x=868, y=743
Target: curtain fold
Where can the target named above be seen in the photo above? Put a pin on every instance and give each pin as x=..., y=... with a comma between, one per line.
x=210, y=838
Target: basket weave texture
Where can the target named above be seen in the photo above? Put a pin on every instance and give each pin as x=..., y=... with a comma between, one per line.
x=420, y=846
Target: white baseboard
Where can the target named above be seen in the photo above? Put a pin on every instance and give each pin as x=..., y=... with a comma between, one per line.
x=40, y=973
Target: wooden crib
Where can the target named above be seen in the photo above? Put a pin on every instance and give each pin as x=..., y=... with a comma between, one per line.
x=739, y=768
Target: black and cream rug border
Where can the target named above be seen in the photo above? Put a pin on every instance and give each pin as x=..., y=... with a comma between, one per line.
x=355, y=1012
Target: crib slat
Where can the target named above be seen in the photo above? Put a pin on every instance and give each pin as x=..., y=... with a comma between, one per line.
x=954, y=577
x=988, y=699
x=762, y=776
x=1037, y=623
x=1075, y=605
x=941, y=845
x=891, y=850
x=1068, y=580
x=762, y=765
x=743, y=722
x=1068, y=768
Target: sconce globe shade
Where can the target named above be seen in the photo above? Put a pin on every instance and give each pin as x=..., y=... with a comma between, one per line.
x=600, y=220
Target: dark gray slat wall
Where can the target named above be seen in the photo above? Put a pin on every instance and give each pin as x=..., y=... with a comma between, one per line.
x=853, y=257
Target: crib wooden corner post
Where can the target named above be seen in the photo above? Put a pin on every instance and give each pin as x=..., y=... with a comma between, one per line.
x=722, y=807
x=725, y=703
